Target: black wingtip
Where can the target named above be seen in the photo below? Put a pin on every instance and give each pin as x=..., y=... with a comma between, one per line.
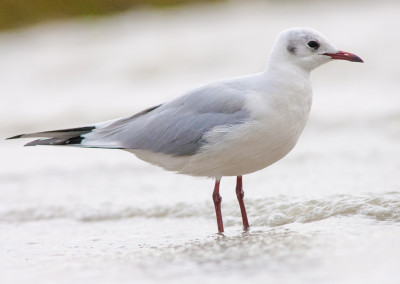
x=15, y=137
x=32, y=143
x=56, y=141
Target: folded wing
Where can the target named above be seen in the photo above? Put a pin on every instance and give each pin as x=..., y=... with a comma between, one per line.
x=176, y=128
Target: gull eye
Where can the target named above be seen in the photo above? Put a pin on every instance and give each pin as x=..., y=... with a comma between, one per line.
x=313, y=44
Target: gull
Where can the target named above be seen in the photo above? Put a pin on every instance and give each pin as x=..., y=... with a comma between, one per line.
x=231, y=127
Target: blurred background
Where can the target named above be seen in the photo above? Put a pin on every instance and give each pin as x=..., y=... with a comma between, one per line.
x=327, y=213
x=20, y=13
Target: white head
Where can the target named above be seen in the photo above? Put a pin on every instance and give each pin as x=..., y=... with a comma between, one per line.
x=307, y=49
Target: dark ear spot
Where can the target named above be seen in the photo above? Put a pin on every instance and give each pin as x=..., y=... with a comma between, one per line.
x=291, y=48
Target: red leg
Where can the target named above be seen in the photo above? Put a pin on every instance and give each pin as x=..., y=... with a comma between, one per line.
x=217, y=203
x=240, y=195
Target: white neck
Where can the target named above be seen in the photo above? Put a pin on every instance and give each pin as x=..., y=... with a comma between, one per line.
x=287, y=78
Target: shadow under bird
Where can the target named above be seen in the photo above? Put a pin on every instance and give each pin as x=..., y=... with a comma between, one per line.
x=226, y=128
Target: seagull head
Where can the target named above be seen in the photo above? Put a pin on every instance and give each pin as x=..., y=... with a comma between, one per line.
x=307, y=48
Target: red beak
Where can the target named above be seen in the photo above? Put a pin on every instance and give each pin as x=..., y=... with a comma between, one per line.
x=344, y=55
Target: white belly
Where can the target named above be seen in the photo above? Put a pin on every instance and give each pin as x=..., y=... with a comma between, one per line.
x=247, y=149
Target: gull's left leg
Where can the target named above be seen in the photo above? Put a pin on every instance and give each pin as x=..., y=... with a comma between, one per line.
x=217, y=204
x=240, y=195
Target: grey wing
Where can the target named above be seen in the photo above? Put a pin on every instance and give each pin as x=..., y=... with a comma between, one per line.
x=178, y=127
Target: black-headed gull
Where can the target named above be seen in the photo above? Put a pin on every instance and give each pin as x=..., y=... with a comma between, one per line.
x=227, y=128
